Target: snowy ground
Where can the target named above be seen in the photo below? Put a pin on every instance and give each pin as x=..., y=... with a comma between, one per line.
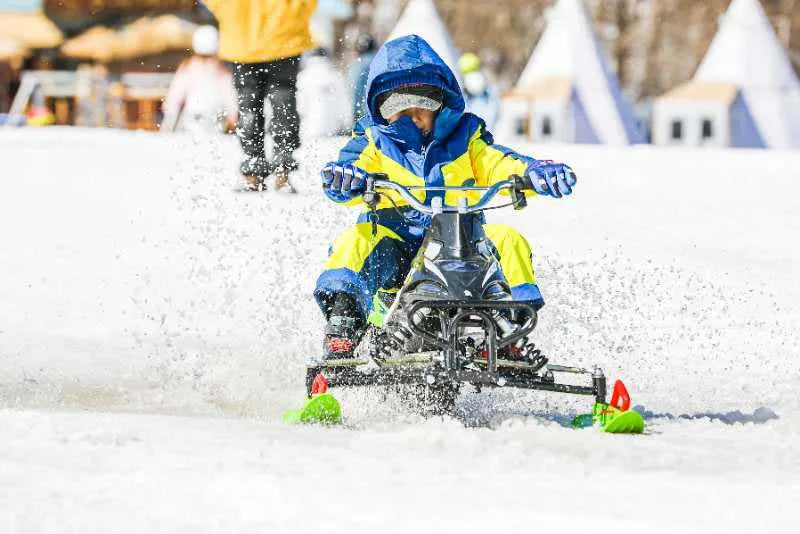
x=154, y=323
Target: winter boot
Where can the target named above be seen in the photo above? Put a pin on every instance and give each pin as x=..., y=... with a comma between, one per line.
x=280, y=171
x=254, y=183
x=254, y=170
x=344, y=330
x=282, y=183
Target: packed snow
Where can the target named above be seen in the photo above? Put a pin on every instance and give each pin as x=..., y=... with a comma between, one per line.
x=154, y=323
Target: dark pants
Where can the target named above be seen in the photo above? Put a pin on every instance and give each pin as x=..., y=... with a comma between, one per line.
x=277, y=81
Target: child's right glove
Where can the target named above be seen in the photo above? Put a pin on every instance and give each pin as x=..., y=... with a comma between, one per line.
x=343, y=182
x=550, y=178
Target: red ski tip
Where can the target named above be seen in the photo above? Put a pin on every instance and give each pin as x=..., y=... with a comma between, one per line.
x=620, y=399
x=319, y=385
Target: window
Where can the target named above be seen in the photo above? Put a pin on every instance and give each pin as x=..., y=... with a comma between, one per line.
x=547, y=127
x=707, y=129
x=521, y=126
x=677, y=130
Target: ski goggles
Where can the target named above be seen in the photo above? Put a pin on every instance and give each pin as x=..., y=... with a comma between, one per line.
x=411, y=96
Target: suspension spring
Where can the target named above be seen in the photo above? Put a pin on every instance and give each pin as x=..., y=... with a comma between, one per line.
x=536, y=357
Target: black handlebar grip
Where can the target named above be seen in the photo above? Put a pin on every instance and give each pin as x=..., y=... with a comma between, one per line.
x=518, y=193
x=522, y=183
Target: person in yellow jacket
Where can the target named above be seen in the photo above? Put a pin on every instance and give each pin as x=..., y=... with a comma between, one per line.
x=263, y=39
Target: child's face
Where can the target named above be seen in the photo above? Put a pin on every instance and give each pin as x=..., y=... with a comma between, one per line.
x=423, y=118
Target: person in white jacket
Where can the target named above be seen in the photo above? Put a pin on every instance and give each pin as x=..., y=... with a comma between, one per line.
x=323, y=100
x=201, y=94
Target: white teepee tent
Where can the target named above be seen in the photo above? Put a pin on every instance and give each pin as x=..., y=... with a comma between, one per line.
x=747, y=53
x=421, y=18
x=567, y=92
x=744, y=93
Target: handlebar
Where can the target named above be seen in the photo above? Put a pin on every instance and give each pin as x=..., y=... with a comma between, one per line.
x=376, y=181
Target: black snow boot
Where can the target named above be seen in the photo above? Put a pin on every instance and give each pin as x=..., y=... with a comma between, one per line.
x=344, y=330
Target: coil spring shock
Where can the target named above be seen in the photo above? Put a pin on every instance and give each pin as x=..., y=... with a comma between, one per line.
x=535, y=356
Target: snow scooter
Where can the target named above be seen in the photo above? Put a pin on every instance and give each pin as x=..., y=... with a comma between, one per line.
x=453, y=323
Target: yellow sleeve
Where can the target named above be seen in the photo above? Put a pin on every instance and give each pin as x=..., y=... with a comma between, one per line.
x=494, y=163
x=361, y=152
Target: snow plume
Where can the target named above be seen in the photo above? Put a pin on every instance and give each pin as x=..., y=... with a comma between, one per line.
x=149, y=283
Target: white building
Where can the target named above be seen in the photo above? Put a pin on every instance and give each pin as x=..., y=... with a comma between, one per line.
x=744, y=93
x=567, y=92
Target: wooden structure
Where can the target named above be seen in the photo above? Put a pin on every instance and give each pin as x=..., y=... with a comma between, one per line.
x=30, y=29
x=88, y=97
x=142, y=94
x=77, y=15
x=12, y=50
x=144, y=37
x=124, y=69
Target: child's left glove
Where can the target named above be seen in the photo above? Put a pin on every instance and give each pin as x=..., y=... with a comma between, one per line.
x=343, y=182
x=551, y=178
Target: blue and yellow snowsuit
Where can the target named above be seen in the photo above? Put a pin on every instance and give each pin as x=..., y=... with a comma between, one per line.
x=459, y=151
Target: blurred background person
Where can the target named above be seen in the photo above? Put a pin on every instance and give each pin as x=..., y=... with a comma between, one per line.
x=365, y=48
x=321, y=90
x=264, y=40
x=480, y=95
x=91, y=93
x=201, y=94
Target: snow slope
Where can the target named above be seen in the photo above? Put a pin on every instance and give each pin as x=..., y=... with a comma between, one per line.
x=153, y=326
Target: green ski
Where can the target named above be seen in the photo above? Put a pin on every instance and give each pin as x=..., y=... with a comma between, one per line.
x=615, y=417
x=322, y=408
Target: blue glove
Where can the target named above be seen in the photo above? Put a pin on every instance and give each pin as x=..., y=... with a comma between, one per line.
x=551, y=178
x=343, y=182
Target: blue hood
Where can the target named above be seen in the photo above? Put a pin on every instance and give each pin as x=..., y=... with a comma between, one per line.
x=410, y=60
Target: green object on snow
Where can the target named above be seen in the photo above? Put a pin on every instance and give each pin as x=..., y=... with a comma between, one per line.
x=378, y=312
x=584, y=420
x=611, y=420
x=322, y=408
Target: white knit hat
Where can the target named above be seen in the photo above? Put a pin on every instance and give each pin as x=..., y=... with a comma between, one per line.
x=412, y=96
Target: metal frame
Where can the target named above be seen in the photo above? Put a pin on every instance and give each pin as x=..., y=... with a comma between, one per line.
x=423, y=369
x=429, y=370
x=465, y=310
x=348, y=375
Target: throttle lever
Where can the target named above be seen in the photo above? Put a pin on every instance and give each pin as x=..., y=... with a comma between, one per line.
x=370, y=197
x=518, y=192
